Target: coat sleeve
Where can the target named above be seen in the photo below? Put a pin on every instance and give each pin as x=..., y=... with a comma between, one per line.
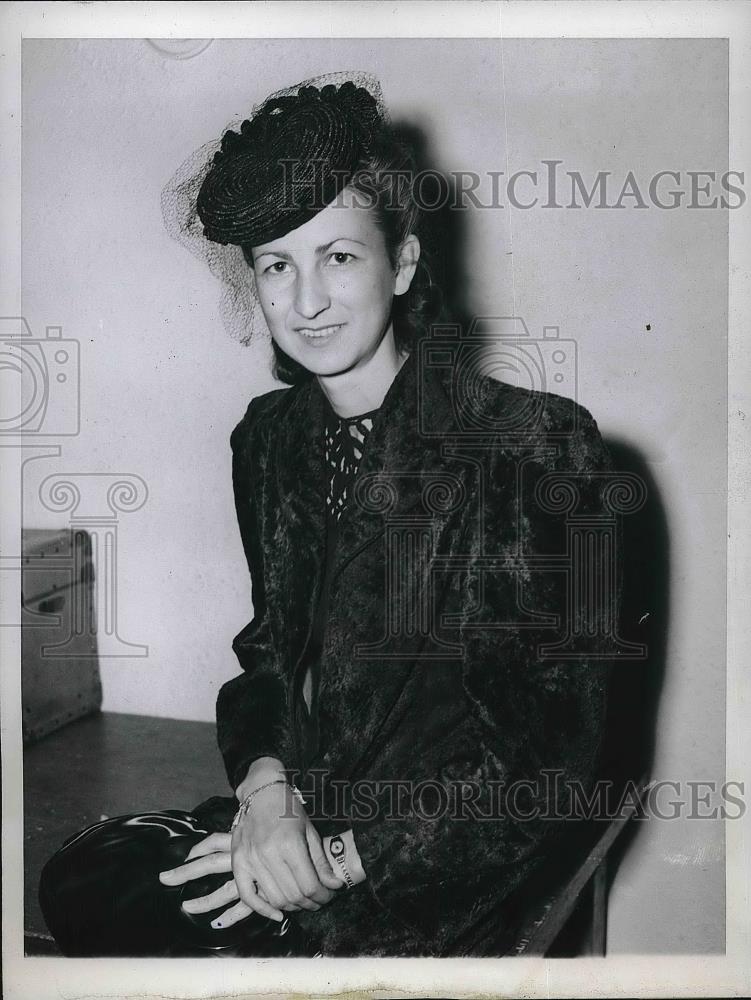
x=251, y=709
x=525, y=720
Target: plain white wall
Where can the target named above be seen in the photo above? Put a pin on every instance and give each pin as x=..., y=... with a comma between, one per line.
x=106, y=123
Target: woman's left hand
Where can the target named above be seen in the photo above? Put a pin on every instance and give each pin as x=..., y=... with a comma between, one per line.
x=208, y=857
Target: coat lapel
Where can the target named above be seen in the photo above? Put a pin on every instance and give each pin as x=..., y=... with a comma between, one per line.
x=402, y=464
x=402, y=471
x=299, y=518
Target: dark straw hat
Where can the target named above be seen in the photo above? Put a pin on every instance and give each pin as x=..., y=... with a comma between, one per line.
x=225, y=175
x=286, y=163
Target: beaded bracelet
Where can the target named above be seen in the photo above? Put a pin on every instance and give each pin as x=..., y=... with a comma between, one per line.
x=246, y=802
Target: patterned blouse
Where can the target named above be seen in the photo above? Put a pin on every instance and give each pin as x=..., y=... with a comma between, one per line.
x=344, y=440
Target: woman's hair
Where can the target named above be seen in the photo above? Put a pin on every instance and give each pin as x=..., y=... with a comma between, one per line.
x=383, y=180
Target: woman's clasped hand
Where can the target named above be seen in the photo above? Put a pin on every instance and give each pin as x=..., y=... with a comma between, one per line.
x=276, y=858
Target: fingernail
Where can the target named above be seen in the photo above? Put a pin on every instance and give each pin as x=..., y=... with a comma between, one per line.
x=280, y=917
x=166, y=875
x=216, y=924
x=188, y=904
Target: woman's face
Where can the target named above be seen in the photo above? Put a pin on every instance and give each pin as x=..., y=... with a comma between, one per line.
x=326, y=288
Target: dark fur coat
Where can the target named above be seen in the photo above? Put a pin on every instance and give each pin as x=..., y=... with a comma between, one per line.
x=449, y=581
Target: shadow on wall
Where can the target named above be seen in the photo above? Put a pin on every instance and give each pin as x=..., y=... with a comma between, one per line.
x=644, y=618
x=444, y=233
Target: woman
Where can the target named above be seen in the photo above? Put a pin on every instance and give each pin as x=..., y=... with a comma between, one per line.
x=391, y=737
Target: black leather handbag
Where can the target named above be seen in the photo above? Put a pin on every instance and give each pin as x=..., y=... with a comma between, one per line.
x=100, y=893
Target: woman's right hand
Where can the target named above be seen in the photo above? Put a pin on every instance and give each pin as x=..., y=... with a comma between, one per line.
x=276, y=845
x=211, y=856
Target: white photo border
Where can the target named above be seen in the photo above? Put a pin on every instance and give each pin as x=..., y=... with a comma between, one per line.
x=622, y=975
